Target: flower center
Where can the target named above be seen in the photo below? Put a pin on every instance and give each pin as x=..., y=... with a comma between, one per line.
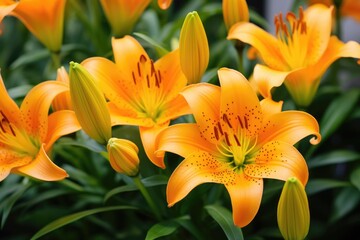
x=16, y=139
x=235, y=143
x=148, y=80
x=292, y=35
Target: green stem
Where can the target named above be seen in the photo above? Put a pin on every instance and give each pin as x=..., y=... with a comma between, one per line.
x=147, y=197
x=55, y=57
x=240, y=50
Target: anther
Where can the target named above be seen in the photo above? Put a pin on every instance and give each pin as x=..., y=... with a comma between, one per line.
x=237, y=140
x=220, y=129
x=133, y=76
x=227, y=139
x=225, y=118
x=216, y=133
x=241, y=124
x=143, y=58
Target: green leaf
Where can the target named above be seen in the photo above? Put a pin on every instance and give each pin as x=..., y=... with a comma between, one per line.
x=224, y=218
x=7, y=204
x=74, y=217
x=345, y=202
x=19, y=91
x=162, y=229
x=318, y=185
x=151, y=181
x=355, y=178
x=159, y=49
x=333, y=157
x=30, y=57
x=337, y=113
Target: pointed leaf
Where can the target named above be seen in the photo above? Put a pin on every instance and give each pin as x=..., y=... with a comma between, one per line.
x=160, y=50
x=224, y=218
x=161, y=229
x=74, y=217
x=355, y=178
x=345, y=202
x=318, y=185
x=333, y=157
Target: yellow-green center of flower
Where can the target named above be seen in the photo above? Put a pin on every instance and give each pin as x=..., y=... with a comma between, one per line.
x=292, y=36
x=16, y=139
x=234, y=142
x=148, y=81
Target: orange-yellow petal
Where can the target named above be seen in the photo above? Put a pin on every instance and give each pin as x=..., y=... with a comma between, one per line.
x=8, y=107
x=197, y=168
x=61, y=123
x=127, y=52
x=278, y=160
x=7, y=6
x=45, y=21
x=270, y=107
x=266, y=78
x=266, y=44
x=63, y=100
x=35, y=106
x=164, y=4
x=148, y=139
x=175, y=108
x=234, y=84
x=173, y=79
x=204, y=101
x=290, y=127
x=42, y=168
x=10, y=160
x=182, y=139
x=245, y=193
x=318, y=19
x=126, y=117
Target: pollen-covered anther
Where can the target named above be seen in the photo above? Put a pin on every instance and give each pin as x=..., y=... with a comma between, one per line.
x=150, y=73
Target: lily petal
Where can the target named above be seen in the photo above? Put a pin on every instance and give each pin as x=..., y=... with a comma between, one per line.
x=197, y=168
x=318, y=19
x=239, y=101
x=36, y=104
x=176, y=107
x=173, y=79
x=148, y=139
x=42, y=168
x=266, y=78
x=204, y=101
x=182, y=139
x=270, y=107
x=127, y=52
x=10, y=160
x=126, y=117
x=6, y=8
x=245, y=194
x=8, y=107
x=290, y=127
x=279, y=160
x=61, y=123
x=265, y=43
x=164, y=4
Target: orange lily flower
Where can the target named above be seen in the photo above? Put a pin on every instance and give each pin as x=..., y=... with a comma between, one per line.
x=236, y=141
x=44, y=20
x=349, y=8
x=123, y=14
x=141, y=92
x=300, y=53
x=27, y=133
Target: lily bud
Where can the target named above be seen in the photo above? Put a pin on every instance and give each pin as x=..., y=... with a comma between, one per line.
x=193, y=48
x=123, y=156
x=63, y=100
x=293, y=211
x=89, y=104
x=235, y=11
x=164, y=4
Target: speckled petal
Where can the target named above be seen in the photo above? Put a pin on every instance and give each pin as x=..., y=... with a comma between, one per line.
x=197, y=168
x=183, y=139
x=279, y=160
x=245, y=194
x=204, y=101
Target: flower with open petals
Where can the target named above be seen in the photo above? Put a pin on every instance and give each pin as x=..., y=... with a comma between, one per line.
x=123, y=14
x=141, y=92
x=300, y=53
x=236, y=141
x=27, y=133
x=44, y=19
